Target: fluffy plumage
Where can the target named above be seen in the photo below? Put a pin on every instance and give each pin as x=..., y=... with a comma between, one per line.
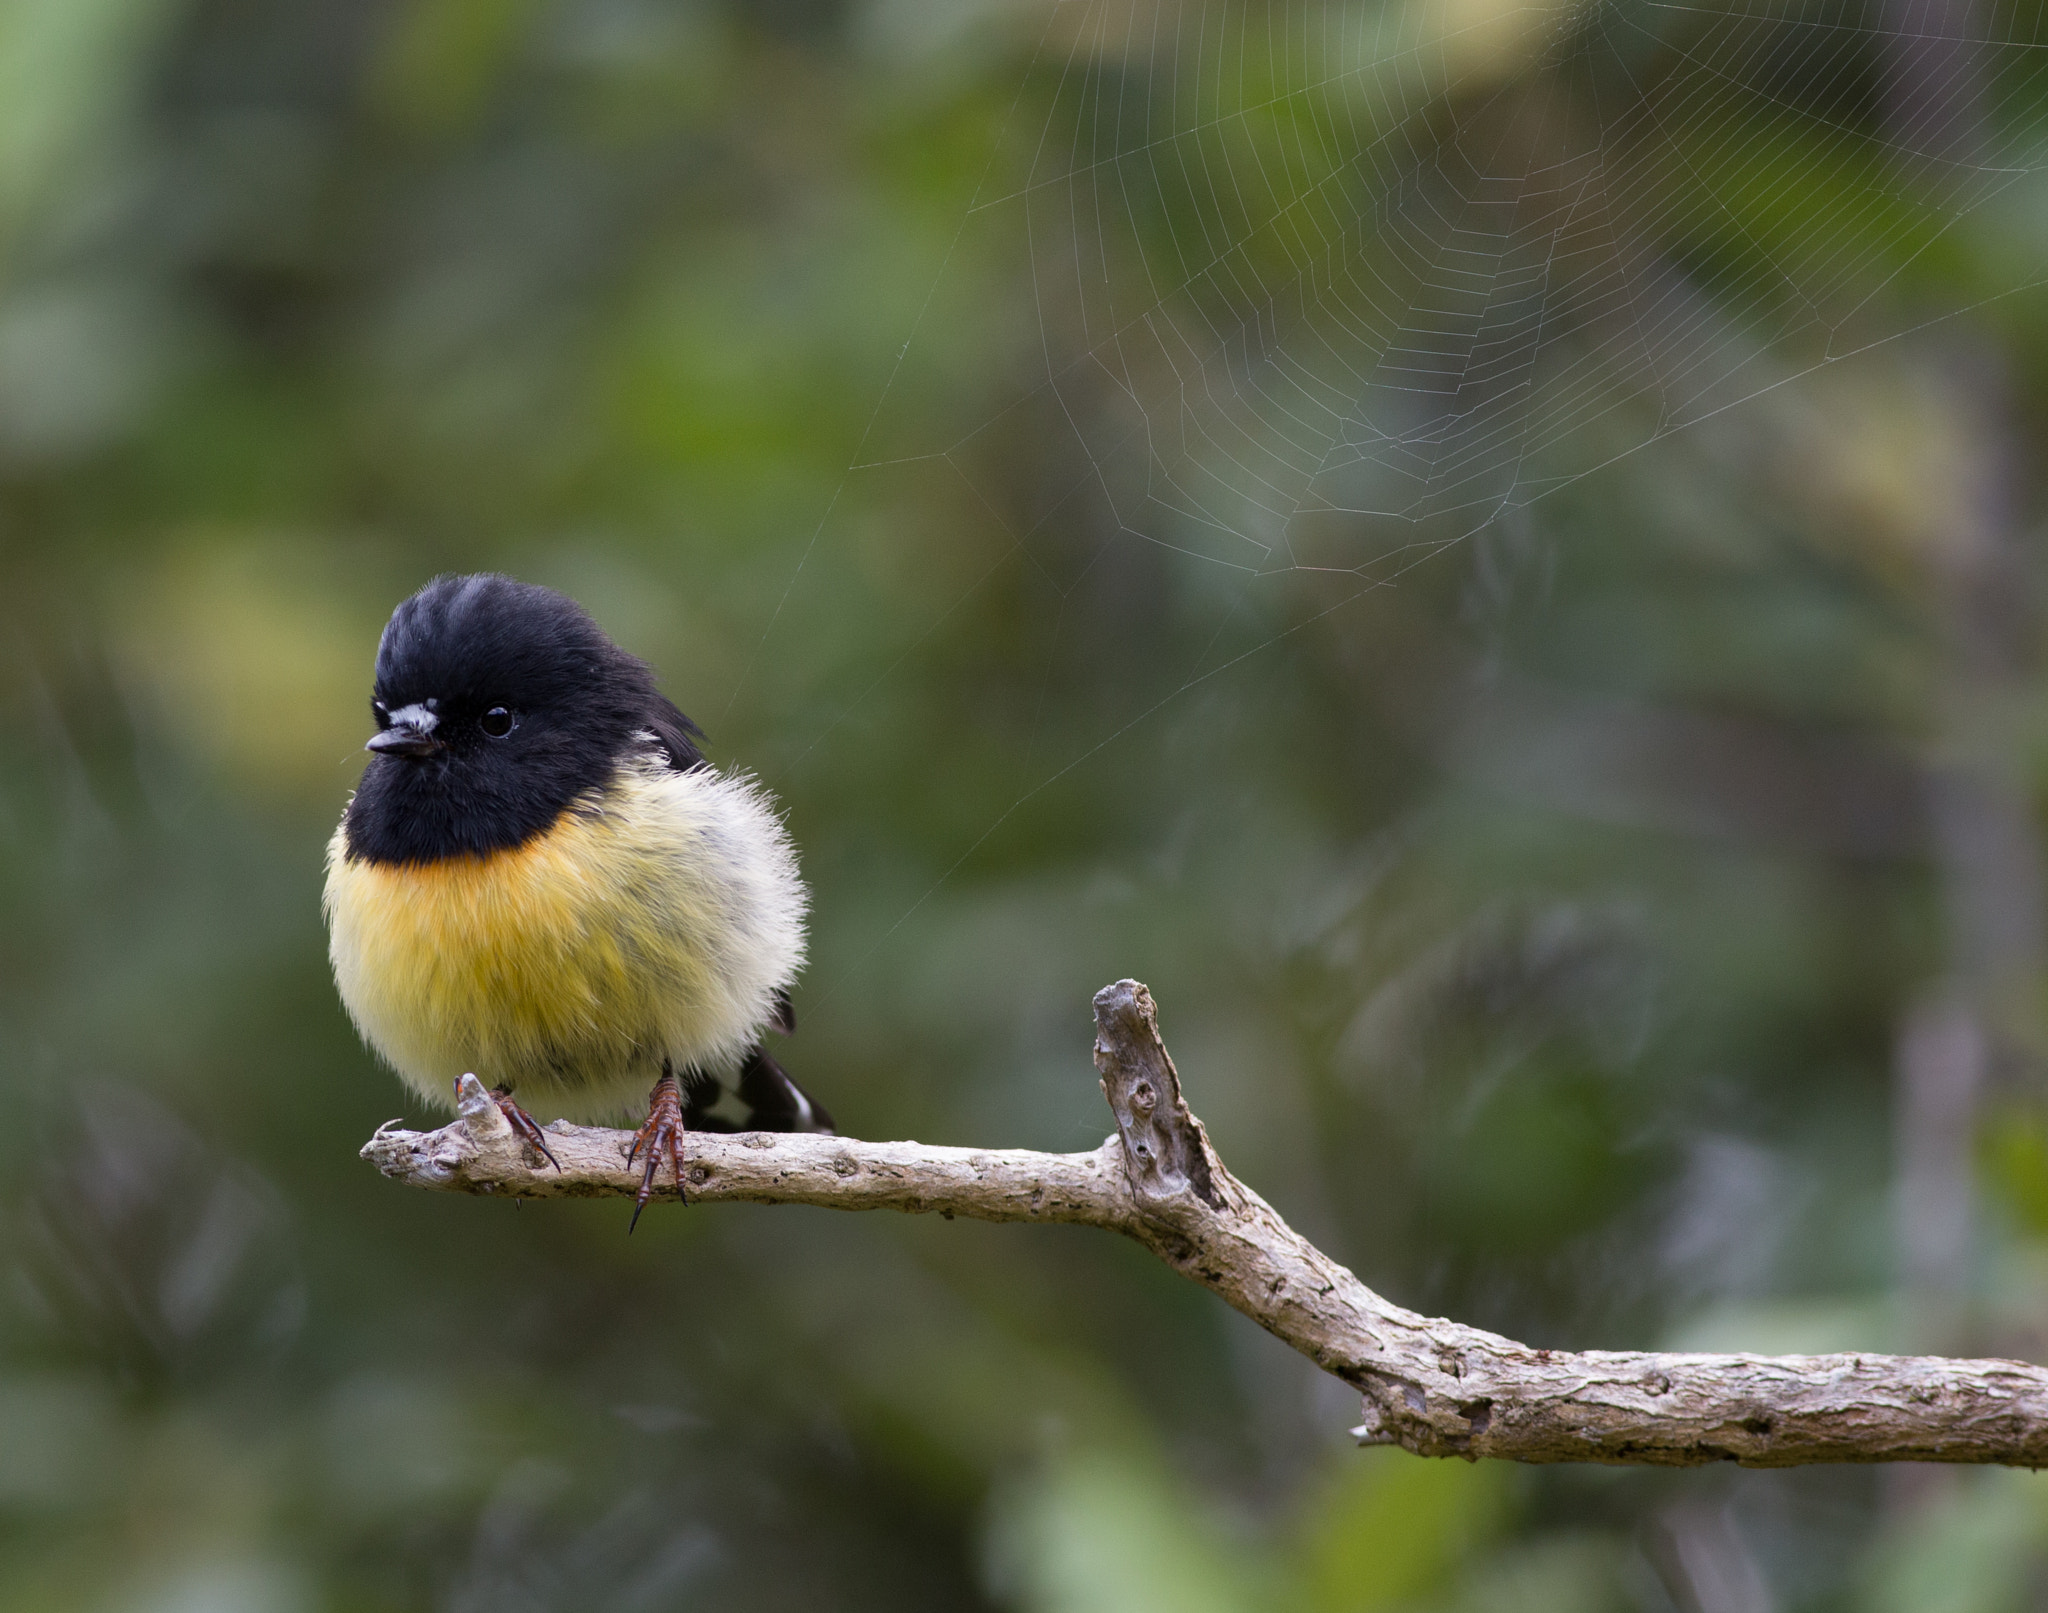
x=654, y=922
x=540, y=880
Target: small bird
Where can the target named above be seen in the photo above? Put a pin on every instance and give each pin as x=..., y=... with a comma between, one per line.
x=540, y=880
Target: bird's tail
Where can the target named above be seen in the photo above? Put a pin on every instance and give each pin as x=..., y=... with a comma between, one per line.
x=774, y=1101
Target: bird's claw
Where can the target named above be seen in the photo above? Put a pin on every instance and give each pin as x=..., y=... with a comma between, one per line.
x=661, y=1133
x=527, y=1128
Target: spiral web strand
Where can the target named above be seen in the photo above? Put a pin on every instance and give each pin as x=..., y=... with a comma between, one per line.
x=1320, y=285
x=1331, y=288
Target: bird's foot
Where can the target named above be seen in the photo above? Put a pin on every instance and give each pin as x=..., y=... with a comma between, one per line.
x=662, y=1133
x=527, y=1128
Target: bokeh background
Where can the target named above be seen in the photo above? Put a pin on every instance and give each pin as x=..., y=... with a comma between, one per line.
x=1489, y=551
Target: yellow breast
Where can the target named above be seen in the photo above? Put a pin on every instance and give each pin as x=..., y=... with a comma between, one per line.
x=630, y=933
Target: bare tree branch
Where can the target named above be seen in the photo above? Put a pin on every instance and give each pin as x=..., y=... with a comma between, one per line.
x=1436, y=1387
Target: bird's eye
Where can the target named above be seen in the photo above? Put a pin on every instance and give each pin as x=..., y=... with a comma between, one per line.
x=497, y=722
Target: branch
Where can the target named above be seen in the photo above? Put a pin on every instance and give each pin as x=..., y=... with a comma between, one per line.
x=1436, y=1387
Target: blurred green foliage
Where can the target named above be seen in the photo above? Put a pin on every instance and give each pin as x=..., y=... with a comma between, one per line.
x=1475, y=548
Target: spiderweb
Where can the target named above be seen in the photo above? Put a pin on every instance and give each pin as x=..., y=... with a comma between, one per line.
x=1314, y=292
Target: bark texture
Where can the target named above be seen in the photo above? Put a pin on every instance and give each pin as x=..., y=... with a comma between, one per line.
x=1435, y=1387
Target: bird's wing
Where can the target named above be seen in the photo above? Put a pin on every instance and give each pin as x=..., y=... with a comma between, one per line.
x=677, y=736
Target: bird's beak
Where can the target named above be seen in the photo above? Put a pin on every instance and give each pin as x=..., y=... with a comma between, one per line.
x=403, y=739
x=409, y=731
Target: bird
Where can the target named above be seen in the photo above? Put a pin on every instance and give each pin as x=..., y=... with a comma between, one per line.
x=541, y=880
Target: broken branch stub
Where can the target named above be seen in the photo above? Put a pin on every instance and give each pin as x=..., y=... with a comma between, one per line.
x=1435, y=1387
x=1166, y=1152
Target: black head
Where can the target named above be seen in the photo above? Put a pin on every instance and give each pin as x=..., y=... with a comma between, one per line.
x=497, y=705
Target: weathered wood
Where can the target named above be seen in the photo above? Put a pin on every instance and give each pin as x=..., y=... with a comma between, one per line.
x=1435, y=1387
